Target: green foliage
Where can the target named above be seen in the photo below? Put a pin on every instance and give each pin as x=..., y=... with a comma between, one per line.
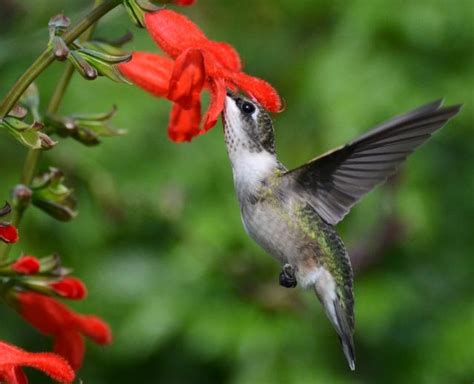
x=159, y=240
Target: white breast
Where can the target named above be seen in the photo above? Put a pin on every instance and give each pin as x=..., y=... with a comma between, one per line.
x=250, y=168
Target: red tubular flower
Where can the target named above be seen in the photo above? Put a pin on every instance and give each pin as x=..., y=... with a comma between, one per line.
x=8, y=233
x=13, y=358
x=70, y=288
x=184, y=2
x=66, y=327
x=199, y=63
x=27, y=265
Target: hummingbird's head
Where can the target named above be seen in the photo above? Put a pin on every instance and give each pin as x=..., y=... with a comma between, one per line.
x=247, y=126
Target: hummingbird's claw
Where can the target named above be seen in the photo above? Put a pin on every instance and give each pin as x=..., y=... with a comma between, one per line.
x=287, y=277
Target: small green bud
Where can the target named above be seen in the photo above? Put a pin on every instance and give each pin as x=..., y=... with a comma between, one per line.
x=52, y=196
x=86, y=70
x=60, y=49
x=21, y=196
x=85, y=128
x=30, y=99
x=18, y=111
x=27, y=134
x=104, y=63
x=58, y=24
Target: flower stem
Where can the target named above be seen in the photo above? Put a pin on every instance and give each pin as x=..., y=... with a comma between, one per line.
x=33, y=155
x=86, y=27
x=60, y=89
x=47, y=57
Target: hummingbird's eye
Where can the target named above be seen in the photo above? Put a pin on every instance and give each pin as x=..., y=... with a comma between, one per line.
x=247, y=108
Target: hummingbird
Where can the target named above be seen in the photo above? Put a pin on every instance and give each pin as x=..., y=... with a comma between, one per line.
x=291, y=214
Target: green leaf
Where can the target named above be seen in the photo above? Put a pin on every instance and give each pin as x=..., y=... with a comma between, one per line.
x=28, y=135
x=135, y=12
x=52, y=196
x=104, y=68
x=86, y=70
x=85, y=128
x=105, y=57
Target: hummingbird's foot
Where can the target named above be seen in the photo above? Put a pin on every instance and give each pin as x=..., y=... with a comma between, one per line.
x=287, y=277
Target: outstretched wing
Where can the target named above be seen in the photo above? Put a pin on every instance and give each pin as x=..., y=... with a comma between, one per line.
x=335, y=181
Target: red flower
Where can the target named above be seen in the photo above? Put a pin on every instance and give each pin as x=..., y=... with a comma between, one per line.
x=199, y=64
x=65, y=326
x=8, y=233
x=184, y=2
x=70, y=288
x=27, y=265
x=13, y=358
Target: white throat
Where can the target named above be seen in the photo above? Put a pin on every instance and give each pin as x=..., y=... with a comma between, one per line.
x=251, y=168
x=250, y=165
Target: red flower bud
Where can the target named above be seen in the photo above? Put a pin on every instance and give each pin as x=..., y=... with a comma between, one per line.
x=70, y=288
x=8, y=233
x=26, y=265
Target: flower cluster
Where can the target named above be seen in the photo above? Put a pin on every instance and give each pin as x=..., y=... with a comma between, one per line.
x=28, y=284
x=45, y=276
x=195, y=63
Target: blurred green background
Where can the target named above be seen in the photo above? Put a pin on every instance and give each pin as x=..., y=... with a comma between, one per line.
x=159, y=241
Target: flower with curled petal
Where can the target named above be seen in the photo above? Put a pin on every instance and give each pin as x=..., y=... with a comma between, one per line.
x=13, y=358
x=67, y=328
x=195, y=64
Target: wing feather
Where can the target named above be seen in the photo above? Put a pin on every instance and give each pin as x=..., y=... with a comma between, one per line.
x=335, y=181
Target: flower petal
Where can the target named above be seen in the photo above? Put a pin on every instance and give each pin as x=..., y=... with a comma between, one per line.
x=50, y=363
x=45, y=314
x=225, y=54
x=149, y=71
x=94, y=328
x=55, y=319
x=27, y=265
x=218, y=91
x=188, y=78
x=70, y=288
x=258, y=89
x=173, y=32
x=184, y=123
x=71, y=346
x=8, y=233
x=13, y=375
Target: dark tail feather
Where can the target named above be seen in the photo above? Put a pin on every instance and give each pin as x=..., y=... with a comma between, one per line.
x=345, y=331
x=341, y=319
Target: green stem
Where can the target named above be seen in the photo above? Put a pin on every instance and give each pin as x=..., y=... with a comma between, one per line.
x=29, y=167
x=60, y=89
x=24, y=81
x=33, y=155
x=86, y=27
x=47, y=57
